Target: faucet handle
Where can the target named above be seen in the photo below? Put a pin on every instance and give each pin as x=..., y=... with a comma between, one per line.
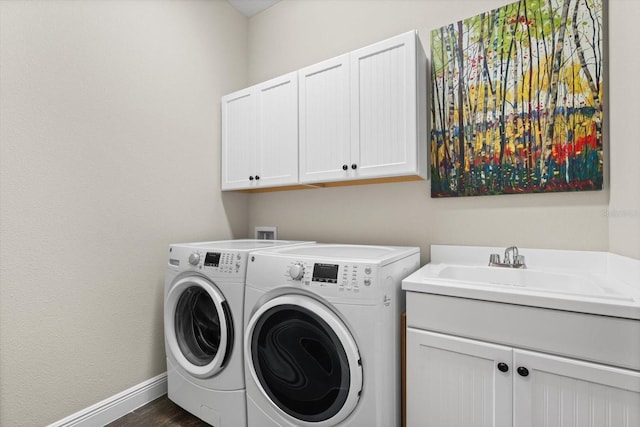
x=507, y=258
x=519, y=261
x=494, y=259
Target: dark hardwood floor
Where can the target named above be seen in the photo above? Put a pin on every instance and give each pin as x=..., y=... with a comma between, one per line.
x=160, y=413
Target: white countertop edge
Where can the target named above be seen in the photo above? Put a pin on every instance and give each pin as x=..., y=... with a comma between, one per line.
x=528, y=298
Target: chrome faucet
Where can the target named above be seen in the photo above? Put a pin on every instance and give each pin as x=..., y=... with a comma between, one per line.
x=514, y=261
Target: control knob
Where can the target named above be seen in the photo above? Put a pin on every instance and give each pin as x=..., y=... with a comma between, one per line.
x=296, y=271
x=194, y=258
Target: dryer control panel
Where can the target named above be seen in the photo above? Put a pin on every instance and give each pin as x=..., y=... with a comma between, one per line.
x=342, y=278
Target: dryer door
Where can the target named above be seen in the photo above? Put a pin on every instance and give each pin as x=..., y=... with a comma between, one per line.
x=198, y=326
x=304, y=359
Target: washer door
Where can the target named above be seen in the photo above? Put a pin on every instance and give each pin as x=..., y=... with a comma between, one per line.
x=304, y=360
x=198, y=326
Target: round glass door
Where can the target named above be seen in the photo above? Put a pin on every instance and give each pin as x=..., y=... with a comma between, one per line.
x=198, y=326
x=304, y=360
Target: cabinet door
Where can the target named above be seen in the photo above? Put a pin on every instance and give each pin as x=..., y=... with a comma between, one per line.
x=383, y=115
x=324, y=121
x=277, y=141
x=566, y=392
x=455, y=382
x=238, y=139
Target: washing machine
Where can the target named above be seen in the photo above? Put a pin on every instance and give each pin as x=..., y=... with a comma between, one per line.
x=322, y=335
x=203, y=323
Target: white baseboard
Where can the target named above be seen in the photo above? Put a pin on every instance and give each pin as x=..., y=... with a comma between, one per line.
x=118, y=405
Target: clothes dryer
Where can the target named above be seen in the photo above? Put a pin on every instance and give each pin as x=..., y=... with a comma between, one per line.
x=203, y=323
x=322, y=335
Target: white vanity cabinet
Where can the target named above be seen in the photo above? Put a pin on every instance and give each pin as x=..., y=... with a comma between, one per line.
x=260, y=135
x=363, y=114
x=480, y=363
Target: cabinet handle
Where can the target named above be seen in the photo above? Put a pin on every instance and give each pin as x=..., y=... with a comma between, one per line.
x=257, y=177
x=354, y=166
x=523, y=371
x=251, y=178
x=503, y=367
x=345, y=167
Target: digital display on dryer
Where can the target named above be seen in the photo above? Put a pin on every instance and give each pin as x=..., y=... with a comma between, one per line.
x=212, y=259
x=327, y=273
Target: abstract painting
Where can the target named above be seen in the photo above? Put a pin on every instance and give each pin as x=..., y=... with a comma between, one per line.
x=517, y=100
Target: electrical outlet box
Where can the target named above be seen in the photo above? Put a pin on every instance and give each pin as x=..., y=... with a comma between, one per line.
x=266, y=233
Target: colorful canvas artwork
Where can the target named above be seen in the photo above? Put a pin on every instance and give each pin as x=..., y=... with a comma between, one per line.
x=517, y=98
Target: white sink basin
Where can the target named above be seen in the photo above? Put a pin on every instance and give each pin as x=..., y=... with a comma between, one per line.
x=587, y=282
x=534, y=280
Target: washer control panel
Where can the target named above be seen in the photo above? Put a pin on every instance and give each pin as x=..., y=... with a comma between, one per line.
x=224, y=263
x=343, y=277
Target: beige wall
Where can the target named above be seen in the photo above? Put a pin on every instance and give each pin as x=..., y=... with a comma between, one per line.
x=109, y=151
x=293, y=34
x=624, y=116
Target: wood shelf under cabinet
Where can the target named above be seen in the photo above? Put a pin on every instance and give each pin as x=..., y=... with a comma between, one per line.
x=334, y=184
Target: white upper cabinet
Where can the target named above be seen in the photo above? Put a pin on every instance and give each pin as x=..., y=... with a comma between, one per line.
x=358, y=116
x=239, y=132
x=388, y=108
x=363, y=114
x=278, y=131
x=260, y=135
x=324, y=121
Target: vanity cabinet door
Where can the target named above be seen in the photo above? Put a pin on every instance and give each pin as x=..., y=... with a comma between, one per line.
x=457, y=382
x=562, y=392
x=324, y=121
x=385, y=94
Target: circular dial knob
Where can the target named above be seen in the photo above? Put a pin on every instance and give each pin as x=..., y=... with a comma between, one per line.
x=194, y=258
x=296, y=271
